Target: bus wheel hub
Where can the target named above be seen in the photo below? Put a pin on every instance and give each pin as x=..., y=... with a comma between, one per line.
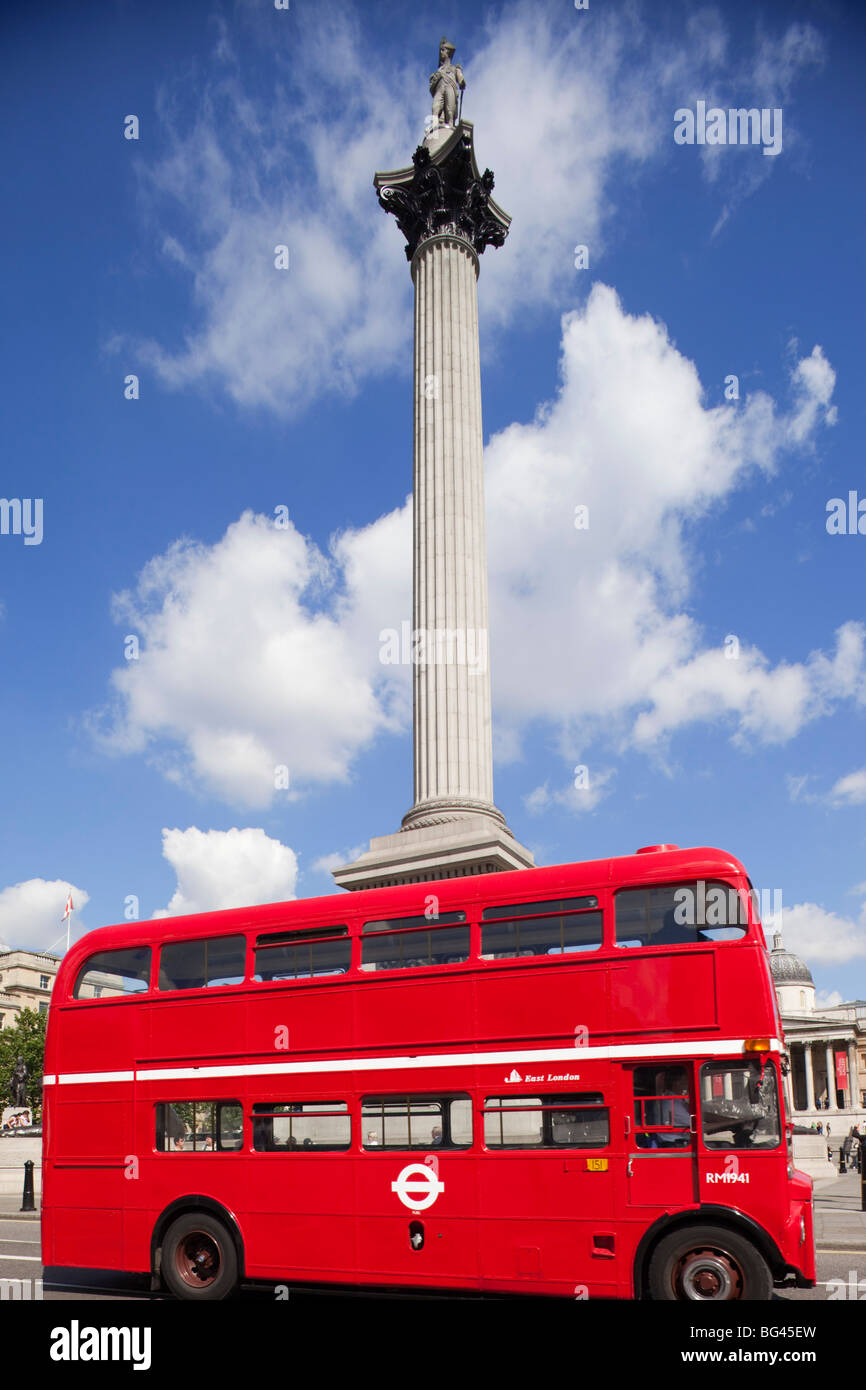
x=197, y=1259
x=709, y=1274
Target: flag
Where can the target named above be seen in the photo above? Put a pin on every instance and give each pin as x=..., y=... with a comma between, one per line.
x=70, y=908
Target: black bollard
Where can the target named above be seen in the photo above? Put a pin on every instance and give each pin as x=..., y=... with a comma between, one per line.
x=862, y=1179
x=27, y=1202
x=841, y=1159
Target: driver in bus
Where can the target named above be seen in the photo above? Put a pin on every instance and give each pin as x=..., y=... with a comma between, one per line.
x=675, y=1110
x=669, y=1107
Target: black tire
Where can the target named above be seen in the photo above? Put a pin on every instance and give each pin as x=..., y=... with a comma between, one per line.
x=707, y=1264
x=199, y=1260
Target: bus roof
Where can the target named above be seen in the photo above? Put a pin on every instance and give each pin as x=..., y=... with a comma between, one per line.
x=660, y=865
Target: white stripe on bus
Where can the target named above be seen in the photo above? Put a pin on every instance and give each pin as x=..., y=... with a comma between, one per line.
x=571, y=1055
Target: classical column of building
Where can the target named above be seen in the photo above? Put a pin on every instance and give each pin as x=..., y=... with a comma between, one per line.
x=810, y=1080
x=829, y=1062
x=788, y=1083
x=443, y=207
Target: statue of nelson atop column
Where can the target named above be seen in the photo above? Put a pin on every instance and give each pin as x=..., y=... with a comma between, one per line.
x=446, y=84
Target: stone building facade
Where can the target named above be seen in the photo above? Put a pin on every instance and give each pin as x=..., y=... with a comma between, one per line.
x=26, y=981
x=827, y=1047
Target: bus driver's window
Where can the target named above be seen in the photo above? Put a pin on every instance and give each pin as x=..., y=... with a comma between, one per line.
x=662, y=1109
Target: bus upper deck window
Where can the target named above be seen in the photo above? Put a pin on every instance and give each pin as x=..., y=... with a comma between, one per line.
x=296, y=954
x=112, y=974
x=680, y=914
x=219, y=960
x=558, y=927
x=403, y=942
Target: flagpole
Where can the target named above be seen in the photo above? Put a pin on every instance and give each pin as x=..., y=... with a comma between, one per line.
x=67, y=917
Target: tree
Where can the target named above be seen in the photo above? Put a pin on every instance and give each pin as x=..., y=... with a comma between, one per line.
x=27, y=1040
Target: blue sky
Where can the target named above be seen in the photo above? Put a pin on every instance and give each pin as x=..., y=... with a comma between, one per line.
x=259, y=646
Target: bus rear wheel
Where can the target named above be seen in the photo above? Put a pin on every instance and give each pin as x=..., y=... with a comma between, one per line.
x=199, y=1260
x=707, y=1264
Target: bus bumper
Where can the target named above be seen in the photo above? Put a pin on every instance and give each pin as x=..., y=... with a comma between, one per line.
x=798, y=1249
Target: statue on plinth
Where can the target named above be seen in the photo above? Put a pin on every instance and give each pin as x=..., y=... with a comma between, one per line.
x=446, y=84
x=18, y=1084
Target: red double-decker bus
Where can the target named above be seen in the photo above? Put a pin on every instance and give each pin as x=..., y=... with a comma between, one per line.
x=565, y=1081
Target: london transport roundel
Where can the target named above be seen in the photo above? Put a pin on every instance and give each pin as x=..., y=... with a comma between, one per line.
x=417, y=1186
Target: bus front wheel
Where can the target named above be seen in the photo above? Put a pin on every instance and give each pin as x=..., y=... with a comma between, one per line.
x=707, y=1264
x=198, y=1258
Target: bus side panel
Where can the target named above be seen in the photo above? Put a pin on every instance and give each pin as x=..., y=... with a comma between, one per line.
x=750, y=1006
x=664, y=992
x=414, y=1012
x=575, y=1007
x=89, y=1185
x=308, y=1019
x=448, y=1254
x=299, y=1216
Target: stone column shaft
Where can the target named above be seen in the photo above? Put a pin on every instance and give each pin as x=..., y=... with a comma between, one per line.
x=810, y=1082
x=831, y=1076
x=452, y=713
x=444, y=208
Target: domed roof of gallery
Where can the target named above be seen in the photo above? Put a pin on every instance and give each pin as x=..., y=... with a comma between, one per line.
x=787, y=968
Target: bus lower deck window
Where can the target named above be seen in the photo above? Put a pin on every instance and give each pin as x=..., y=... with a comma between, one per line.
x=416, y=1122
x=301, y=1126
x=546, y=1122
x=199, y=1126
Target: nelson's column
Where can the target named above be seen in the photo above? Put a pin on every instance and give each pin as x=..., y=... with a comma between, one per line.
x=444, y=209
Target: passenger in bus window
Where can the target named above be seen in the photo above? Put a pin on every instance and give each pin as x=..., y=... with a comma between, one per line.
x=674, y=933
x=436, y=1136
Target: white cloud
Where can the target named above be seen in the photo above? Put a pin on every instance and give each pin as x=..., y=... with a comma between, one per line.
x=31, y=912
x=818, y=936
x=849, y=790
x=244, y=172
x=250, y=662
x=327, y=863
x=572, y=798
x=261, y=650
x=814, y=381
x=827, y=999
x=227, y=868
x=762, y=79
x=590, y=626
